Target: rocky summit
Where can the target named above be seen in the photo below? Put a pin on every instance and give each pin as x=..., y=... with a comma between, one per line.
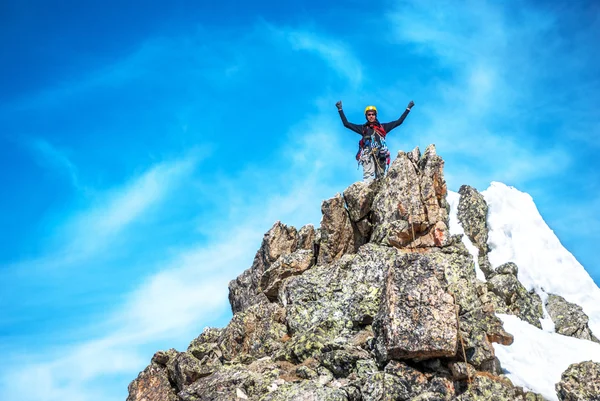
x=378, y=303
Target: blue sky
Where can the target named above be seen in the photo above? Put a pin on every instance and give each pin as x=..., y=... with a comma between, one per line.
x=146, y=148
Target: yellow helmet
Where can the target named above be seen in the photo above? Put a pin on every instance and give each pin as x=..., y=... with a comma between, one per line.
x=371, y=108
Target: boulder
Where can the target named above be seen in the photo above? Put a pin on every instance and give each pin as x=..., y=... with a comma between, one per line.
x=417, y=317
x=286, y=266
x=279, y=240
x=234, y=382
x=513, y=298
x=484, y=387
x=306, y=237
x=472, y=214
x=337, y=298
x=359, y=199
x=152, y=384
x=257, y=332
x=337, y=233
x=309, y=390
x=581, y=381
x=569, y=319
x=410, y=209
x=186, y=369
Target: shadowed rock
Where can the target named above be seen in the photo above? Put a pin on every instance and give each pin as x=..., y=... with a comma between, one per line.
x=244, y=290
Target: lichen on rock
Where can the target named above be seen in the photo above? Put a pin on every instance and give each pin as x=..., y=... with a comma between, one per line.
x=379, y=302
x=569, y=319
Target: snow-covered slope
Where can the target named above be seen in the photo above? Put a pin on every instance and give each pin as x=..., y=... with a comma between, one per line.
x=519, y=234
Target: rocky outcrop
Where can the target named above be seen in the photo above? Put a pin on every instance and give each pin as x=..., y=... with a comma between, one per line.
x=152, y=384
x=279, y=241
x=379, y=302
x=410, y=209
x=337, y=234
x=472, y=214
x=417, y=318
x=581, y=381
x=569, y=319
x=512, y=297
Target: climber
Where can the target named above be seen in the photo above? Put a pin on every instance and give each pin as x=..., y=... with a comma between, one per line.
x=373, y=153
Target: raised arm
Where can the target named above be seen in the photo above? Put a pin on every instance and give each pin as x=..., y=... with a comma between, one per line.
x=393, y=124
x=354, y=127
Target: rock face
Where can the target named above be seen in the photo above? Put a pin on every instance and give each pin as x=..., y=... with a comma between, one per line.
x=417, y=318
x=569, y=319
x=581, y=381
x=378, y=303
x=410, y=209
x=512, y=297
x=472, y=214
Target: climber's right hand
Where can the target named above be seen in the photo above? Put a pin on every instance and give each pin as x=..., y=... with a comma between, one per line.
x=339, y=105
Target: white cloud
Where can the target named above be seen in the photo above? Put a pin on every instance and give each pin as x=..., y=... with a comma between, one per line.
x=335, y=53
x=189, y=289
x=49, y=156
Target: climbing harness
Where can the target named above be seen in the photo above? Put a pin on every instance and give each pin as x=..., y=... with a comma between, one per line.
x=374, y=147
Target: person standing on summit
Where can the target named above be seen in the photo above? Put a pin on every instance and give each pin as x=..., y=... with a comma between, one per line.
x=373, y=153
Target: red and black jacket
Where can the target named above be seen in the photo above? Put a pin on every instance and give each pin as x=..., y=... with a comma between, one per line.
x=367, y=129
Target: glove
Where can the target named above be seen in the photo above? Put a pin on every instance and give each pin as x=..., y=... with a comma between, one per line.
x=410, y=105
x=339, y=105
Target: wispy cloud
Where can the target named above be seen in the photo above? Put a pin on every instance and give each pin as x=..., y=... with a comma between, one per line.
x=483, y=113
x=92, y=230
x=337, y=54
x=49, y=156
x=190, y=286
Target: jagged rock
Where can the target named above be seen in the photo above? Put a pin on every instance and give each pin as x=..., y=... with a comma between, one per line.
x=508, y=268
x=186, y=369
x=339, y=297
x=569, y=319
x=399, y=381
x=480, y=328
x=254, y=380
x=461, y=370
x=342, y=362
x=244, y=290
x=152, y=384
x=306, y=237
x=163, y=357
x=325, y=314
x=485, y=387
x=514, y=299
x=337, y=234
x=414, y=191
x=359, y=198
x=581, y=381
x=472, y=214
x=206, y=344
x=417, y=318
x=256, y=332
x=286, y=266
x=306, y=391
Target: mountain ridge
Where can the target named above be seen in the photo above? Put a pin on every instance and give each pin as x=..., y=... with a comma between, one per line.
x=383, y=301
